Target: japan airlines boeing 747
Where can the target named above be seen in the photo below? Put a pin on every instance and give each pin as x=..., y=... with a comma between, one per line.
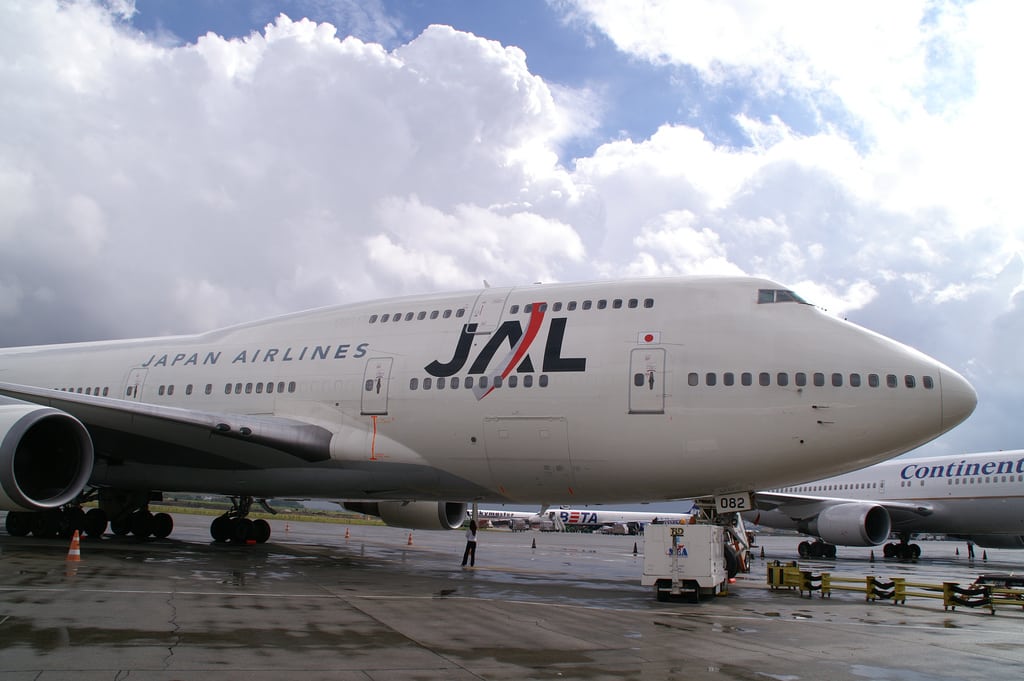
x=979, y=497
x=618, y=391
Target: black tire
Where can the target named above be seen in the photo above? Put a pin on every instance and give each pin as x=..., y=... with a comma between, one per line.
x=804, y=549
x=732, y=561
x=95, y=522
x=220, y=528
x=915, y=551
x=260, y=530
x=163, y=525
x=829, y=551
x=19, y=523
x=120, y=526
x=889, y=551
x=241, y=530
x=661, y=594
x=141, y=523
x=46, y=524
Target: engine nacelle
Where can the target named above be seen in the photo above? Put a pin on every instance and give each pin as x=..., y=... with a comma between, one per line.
x=46, y=457
x=851, y=524
x=413, y=515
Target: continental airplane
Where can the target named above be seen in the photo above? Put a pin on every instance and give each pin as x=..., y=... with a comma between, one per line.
x=617, y=391
x=977, y=497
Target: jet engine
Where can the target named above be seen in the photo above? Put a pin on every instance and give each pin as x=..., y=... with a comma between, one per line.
x=413, y=515
x=851, y=524
x=46, y=457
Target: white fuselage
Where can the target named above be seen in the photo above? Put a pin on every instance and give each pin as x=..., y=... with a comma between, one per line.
x=637, y=390
x=969, y=494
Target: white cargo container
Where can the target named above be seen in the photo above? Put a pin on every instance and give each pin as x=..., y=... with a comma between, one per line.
x=685, y=559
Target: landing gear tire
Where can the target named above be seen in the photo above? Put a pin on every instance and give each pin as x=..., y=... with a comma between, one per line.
x=19, y=523
x=162, y=526
x=120, y=526
x=95, y=522
x=241, y=530
x=260, y=531
x=141, y=523
x=804, y=549
x=220, y=529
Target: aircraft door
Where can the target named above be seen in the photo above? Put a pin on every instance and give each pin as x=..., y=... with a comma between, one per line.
x=133, y=386
x=488, y=308
x=647, y=381
x=529, y=456
x=376, y=379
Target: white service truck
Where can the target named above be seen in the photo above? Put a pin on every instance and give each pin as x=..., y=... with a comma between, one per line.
x=685, y=559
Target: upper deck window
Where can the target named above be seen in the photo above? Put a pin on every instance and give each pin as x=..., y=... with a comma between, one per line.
x=778, y=295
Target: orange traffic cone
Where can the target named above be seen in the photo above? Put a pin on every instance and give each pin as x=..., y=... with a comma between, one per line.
x=75, y=551
x=409, y=543
x=346, y=533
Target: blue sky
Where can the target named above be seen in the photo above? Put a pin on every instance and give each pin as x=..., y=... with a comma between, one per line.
x=267, y=164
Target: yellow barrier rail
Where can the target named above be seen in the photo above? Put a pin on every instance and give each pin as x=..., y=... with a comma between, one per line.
x=897, y=589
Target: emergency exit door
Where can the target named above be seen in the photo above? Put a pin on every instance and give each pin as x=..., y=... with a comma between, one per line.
x=647, y=381
x=376, y=378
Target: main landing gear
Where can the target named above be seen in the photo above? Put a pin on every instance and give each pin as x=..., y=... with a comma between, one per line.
x=236, y=527
x=126, y=512
x=904, y=550
x=816, y=549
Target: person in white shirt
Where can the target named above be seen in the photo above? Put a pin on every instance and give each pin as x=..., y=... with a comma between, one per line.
x=470, y=553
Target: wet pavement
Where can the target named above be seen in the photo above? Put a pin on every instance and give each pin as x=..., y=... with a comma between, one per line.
x=315, y=605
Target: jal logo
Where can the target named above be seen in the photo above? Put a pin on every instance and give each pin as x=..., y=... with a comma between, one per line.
x=519, y=341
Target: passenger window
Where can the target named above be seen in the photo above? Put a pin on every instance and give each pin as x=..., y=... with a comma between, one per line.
x=602, y=304
x=746, y=378
x=873, y=380
x=440, y=384
x=648, y=302
x=368, y=387
x=728, y=378
x=910, y=381
x=782, y=379
x=469, y=381
x=927, y=381
x=160, y=391
x=638, y=380
x=837, y=380
x=528, y=381
x=248, y=388
x=447, y=314
x=543, y=382
x=270, y=387
x=259, y=388
x=514, y=309
x=557, y=307
x=291, y=386
x=397, y=317
x=188, y=389
x=498, y=381
x=633, y=303
x=513, y=380
x=764, y=379
x=617, y=304
x=483, y=382
x=373, y=319
x=88, y=390
x=571, y=306
x=428, y=382
x=414, y=383
x=105, y=391
x=587, y=304
x=528, y=308
x=280, y=387
x=461, y=312
x=434, y=314
x=801, y=379
x=238, y=388
x=227, y=388
x=692, y=379
x=421, y=316
x=384, y=318
x=819, y=379
x=891, y=381
x=710, y=378
x=855, y=380
x=408, y=316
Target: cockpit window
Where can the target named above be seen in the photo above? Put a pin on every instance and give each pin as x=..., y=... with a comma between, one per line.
x=778, y=295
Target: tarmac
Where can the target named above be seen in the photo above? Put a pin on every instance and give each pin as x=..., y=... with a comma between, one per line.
x=380, y=605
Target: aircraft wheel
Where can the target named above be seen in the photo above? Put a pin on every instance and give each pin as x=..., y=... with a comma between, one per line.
x=19, y=523
x=71, y=519
x=260, y=531
x=915, y=551
x=120, y=526
x=163, y=525
x=46, y=524
x=829, y=550
x=220, y=528
x=889, y=551
x=241, y=530
x=804, y=549
x=141, y=523
x=815, y=550
x=95, y=523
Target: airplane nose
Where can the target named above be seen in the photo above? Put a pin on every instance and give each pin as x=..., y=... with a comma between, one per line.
x=958, y=398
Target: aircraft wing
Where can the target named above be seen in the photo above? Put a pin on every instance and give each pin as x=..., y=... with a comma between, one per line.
x=123, y=430
x=804, y=507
